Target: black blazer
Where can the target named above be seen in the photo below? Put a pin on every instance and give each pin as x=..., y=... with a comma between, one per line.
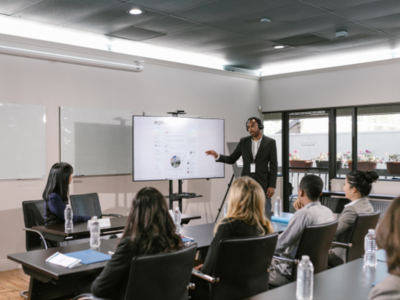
x=266, y=161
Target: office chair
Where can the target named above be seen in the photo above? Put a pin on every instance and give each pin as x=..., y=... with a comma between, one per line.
x=159, y=276
x=33, y=216
x=242, y=267
x=88, y=205
x=355, y=244
x=315, y=241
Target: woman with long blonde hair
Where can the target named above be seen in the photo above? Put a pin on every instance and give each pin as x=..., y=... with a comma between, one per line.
x=245, y=218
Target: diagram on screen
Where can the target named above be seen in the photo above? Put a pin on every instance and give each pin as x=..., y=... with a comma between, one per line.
x=175, y=161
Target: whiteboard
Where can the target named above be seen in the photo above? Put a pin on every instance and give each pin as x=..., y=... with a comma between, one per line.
x=96, y=141
x=23, y=141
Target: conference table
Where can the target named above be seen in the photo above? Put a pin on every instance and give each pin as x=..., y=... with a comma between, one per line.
x=49, y=281
x=56, y=232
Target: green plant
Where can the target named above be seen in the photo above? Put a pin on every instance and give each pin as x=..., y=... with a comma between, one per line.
x=393, y=157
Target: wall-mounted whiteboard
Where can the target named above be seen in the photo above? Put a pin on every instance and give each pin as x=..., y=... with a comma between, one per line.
x=96, y=141
x=23, y=141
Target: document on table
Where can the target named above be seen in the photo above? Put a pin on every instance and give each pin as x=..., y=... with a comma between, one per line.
x=62, y=260
x=104, y=223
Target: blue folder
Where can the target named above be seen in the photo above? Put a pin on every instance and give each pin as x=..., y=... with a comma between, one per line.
x=186, y=239
x=284, y=218
x=89, y=256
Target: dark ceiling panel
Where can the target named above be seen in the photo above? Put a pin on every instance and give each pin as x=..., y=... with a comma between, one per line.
x=135, y=34
x=371, y=10
x=387, y=22
x=225, y=9
x=169, y=6
x=279, y=15
x=299, y=40
x=393, y=31
x=59, y=12
x=167, y=25
x=195, y=35
x=113, y=19
x=240, y=51
x=225, y=42
x=338, y=4
x=10, y=7
x=352, y=29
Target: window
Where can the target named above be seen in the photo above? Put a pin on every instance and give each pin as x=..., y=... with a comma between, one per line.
x=343, y=141
x=273, y=129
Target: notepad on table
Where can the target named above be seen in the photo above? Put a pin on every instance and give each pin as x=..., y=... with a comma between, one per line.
x=186, y=239
x=89, y=256
x=284, y=218
x=63, y=260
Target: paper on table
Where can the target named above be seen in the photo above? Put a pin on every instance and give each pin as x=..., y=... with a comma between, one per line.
x=62, y=260
x=102, y=222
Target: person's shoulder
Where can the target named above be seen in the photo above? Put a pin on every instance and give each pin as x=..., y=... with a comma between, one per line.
x=388, y=288
x=268, y=139
x=246, y=138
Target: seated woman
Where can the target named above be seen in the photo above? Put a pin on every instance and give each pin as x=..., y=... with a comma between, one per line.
x=388, y=238
x=56, y=194
x=245, y=218
x=357, y=186
x=149, y=230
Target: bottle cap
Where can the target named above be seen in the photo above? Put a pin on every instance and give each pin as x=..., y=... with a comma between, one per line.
x=371, y=231
x=305, y=257
x=176, y=208
x=94, y=218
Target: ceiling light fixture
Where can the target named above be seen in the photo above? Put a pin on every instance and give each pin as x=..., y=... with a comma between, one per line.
x=279, y=47
x=341, y=34
x=136, y=11
x=265, y=20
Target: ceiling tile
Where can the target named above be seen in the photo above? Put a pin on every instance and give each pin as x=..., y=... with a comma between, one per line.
x=238, y=51
x=299, y=40
x=169, y=6
x=167, y=25
x=135, y=34
x=10, y=7
x=113, y=19
x=225, y=42
x=387, y=22
x=225, y=9
x=337, y=4
x=59, y=12
x=191, y=36
x=352, y=29
x=371, y=10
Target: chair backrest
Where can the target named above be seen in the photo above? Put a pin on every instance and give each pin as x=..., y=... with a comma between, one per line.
x=33, y=216
x=161, y=276
x=361, y=225
x=86, y=205
x=242, y=267
x=315, y=241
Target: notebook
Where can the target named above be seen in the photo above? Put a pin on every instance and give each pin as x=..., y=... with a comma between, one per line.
x=89, y=256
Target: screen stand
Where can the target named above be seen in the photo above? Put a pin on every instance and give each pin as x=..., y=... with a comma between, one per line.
x=171, y=196
x=226, y=194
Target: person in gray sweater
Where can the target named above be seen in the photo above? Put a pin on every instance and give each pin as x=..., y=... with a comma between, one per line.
x=388, y=238
x=357, y=186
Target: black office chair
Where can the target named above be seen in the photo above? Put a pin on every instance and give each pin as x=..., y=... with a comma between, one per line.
x=159, y=276
x=33, y=216
x=355, y=245
x=315, y=241
x=88, y=205
x=242, y=267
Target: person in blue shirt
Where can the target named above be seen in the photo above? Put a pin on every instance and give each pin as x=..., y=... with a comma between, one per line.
x=56, y=194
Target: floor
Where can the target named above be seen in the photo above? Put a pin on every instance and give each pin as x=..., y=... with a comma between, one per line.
x=12, y=283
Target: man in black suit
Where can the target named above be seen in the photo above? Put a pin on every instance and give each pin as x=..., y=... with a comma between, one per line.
x=257, y=152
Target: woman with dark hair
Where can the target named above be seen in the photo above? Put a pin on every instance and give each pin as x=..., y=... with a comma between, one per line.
x=357, y=186
x=56, y=194
x=388, y=238
x=149, y=230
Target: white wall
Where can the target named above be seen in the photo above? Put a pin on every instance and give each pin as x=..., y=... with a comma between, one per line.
x=158, y=88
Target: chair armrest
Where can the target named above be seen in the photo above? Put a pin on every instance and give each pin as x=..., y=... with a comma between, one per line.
x=39, y=233
x=204, y=276
x=343, y=244
x=112, y=215
x=296, y=261
x=87, y=297
x=191, y=286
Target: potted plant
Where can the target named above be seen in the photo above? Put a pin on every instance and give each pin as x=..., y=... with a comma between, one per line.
x=366, y=161
x=393, y=165
x=296, y=161
x=322, y=161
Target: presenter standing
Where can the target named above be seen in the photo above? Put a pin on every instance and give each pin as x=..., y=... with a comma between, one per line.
x=259, y=159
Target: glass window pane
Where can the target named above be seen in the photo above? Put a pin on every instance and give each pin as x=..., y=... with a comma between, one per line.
x=343, y=140
x=273, y=129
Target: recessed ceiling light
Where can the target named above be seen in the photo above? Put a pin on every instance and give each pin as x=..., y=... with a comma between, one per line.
x=279, y=47
x=265, y=20
x=136, y=11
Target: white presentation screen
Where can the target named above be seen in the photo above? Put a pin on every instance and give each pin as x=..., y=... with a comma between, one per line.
x=166, y=148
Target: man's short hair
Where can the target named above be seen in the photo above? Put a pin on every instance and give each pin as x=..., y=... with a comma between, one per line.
x=312, y=185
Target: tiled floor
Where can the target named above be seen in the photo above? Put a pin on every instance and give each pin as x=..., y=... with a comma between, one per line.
x=12, y=283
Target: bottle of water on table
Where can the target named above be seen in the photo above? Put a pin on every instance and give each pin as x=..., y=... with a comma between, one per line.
x=278, y=207
x=370, y=249
x=177, y=220
x=305, y=279
x=94, y=233
x=68, y=216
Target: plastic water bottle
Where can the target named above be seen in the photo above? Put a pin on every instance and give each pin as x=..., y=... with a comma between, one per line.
x=68, y=216
x=177, y=220
x=94, y=233
x=305, y=279
x=226, y=208
x=278, y=207
x=370, y=249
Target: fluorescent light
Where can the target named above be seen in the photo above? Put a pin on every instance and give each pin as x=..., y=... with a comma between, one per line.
x=136, y=11
x=279, y=47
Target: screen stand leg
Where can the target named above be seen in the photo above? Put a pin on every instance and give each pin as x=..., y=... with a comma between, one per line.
x=172, y=198
x=226, y=194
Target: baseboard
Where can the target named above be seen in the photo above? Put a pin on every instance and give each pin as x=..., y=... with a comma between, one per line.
x=6, y=264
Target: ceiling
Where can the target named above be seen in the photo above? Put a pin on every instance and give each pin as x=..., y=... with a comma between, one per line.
x=229, y=29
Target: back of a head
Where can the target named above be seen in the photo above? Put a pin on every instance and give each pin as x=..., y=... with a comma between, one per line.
x=150, y=225
x=58, y=181
x=388, y=236
x=312, y=185
x=362, y=181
